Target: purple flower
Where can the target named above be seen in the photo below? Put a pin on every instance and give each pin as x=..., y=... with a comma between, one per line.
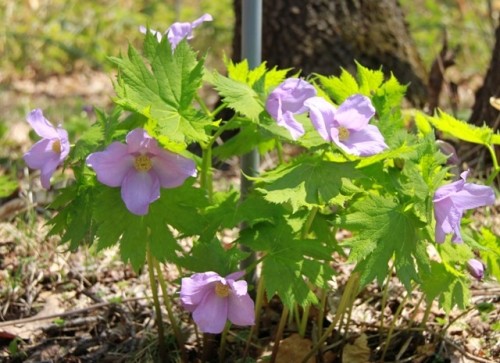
x=178, y=30
x=140, y=168
x=450, y=202
x=476, y=268
x=347, y=126
x=48, y=153
x=287, y=100
x=213, y=300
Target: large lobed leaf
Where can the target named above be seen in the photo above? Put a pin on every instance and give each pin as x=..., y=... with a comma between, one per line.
x=309, y=182
x=383, y=229
x=162, y=88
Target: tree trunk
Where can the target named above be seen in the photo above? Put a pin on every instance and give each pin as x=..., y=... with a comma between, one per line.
x=483, y=111
x=324, y=35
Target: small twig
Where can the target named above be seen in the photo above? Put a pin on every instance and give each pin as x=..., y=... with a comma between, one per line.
x=67, y=313
x=279, y=333
x=465, y=353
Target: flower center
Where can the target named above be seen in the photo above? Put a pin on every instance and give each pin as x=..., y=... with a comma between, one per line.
x=343, y=133
x=142, y=163
x=221, y=290
x=56, y=146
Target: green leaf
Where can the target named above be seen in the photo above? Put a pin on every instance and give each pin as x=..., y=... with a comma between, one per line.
x=423, y=124
x=212, y=256
x=163, y=88
x=290, y=264
x=339, y=88
x=238, y=95
x=74, y=222
x=402, y=152
x=7, y=186
x=491, y=253
x=369, y=80
x=461, y=129
x=383, y=229
x=177, y=208
x=308, y=182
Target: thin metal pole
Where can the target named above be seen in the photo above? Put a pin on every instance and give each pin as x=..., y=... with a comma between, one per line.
x=251, y=49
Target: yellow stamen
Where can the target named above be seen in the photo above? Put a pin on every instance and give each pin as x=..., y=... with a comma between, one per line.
x=56, y=146
x=142, y=163
x=222, y=290
x=343, y=133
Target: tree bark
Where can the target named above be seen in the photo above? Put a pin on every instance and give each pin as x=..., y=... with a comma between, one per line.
x=324, y=36
x=483, y=111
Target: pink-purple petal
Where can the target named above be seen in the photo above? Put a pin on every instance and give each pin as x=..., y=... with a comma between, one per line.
x=112, y=164
x=355, y=112
x=194, y=288
x=205, y=17
x=138, y=140
x=322, y=114
x=39, y=154
x=211, y=314
x=235, y=275
x=288, y=121
x=139, y=189
x=447, y=220
x=241, y=310
x=48, y=169
x=474, y=196
x=367, y=141
x=172, y=169
x=41, y=125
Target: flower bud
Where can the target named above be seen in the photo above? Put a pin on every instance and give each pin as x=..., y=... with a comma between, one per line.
x=476, y=268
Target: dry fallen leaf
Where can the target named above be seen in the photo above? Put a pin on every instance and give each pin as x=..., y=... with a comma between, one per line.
x=26, y=330
x=293, y=349
x=358, y=352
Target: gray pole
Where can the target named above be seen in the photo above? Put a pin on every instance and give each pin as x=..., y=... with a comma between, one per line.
x=251, y=49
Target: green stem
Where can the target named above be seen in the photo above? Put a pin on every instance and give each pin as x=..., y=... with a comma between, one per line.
x=496, y=168
x=303, y=322
x=321, y=313
x=259, y=299
x=350, y=293
x=279, y=150
x=206, y=180
x=385, y=297
x=279, y=333
x=206, y=176
x=426, y=315
x=202, y=104
x=168, y=306
x=309, y=222
x=393, y=325
x=162, y=349
x=218, y=109
x=222, y=347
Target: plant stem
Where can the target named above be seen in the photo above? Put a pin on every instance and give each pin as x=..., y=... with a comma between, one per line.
x=393, y=325
x=309, y=222
x=496, y=168
x=350, y=293
x=168, y=306
x=258, y=306
x=385, y=297
x=279, y=333
x=303, y=321
x=279, y=150
x=321, y=314
x=222, y=347
x=206, y=171
x=162, y=349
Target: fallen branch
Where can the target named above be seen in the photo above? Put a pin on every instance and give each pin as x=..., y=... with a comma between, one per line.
x=67, y=313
